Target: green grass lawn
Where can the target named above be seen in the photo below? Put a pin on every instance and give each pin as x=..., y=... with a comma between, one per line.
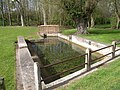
x=8, y=35
x=106, y=78
x=103, y=26
x=69, y=31
x=99, y=35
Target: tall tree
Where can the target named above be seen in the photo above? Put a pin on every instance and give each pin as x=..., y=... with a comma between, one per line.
x=80, y=11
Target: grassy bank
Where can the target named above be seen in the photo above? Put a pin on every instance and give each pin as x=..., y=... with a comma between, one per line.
x=8, y=35
x=99, y=35
x=106, y=78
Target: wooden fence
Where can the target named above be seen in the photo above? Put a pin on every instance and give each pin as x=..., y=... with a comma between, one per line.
x=87, y=64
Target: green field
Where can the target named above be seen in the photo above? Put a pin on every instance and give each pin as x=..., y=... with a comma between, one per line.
x=8, y=36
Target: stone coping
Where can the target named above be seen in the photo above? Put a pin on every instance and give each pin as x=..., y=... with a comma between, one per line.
x=86, y=43
x=21, y=42
x=26, y=65
x=50, y=25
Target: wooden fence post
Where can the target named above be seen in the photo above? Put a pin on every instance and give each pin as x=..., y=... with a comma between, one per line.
x=37, y=74
x=113, y=49
x=2, y=84
x=88, y=59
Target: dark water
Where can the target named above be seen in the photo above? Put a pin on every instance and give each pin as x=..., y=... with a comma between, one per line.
x=52, y=50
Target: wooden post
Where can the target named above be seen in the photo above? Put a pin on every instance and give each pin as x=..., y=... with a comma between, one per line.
x=113, y=49
x=37, y=74
x=2, y=84
x=70, y=37
x=88, y=59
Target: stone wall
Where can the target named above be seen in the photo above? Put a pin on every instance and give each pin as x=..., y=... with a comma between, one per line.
x=49, y=29
x=86, y=43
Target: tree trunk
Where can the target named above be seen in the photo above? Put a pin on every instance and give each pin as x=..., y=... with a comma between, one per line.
x=117, y=14
x=9, y=14
x=2, y=12
x=3, y=19
x=89, y=24
x=22, y=20
x=92, y=22
x=18, y=18
x=10, y=21
x=44, y=16
x=82, y=27
x=21, y=12
x=118, y=22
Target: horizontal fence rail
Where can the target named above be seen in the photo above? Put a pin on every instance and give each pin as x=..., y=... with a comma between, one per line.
x=71, y=69
x=100, y=57
x=101, y=48
x=117, y=50
x=66, y=60
x=117, y=42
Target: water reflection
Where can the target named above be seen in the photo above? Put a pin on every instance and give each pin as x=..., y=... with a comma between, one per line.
x=52, y=50
x=56, y=49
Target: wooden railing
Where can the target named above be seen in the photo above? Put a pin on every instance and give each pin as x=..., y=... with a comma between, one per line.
x=65, y=60
x=88, y=60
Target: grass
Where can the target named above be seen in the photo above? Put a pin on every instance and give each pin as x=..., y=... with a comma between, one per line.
x=103, y=35
x=106, y=78
x=69, y=31
x=103, y=26
x=100, y=35
x=8, y=35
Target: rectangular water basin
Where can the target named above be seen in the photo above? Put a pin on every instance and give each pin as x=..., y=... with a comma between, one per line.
x=53, y=50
